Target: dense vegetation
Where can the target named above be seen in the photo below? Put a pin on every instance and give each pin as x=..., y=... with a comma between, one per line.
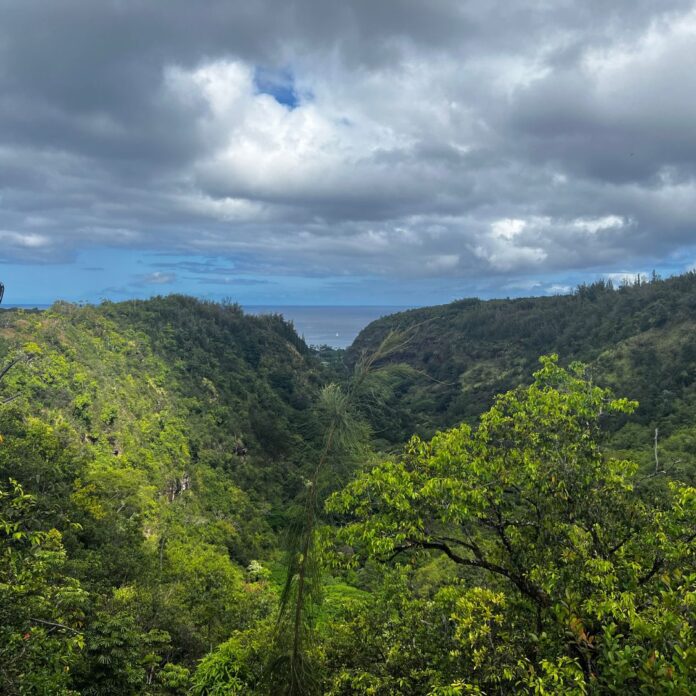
x=637, y=339
x=147, y=461
x=194, y=502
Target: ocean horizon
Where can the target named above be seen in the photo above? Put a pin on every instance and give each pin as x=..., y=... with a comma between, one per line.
x=335, y=326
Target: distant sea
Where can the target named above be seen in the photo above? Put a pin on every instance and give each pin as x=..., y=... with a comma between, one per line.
x=332, y=326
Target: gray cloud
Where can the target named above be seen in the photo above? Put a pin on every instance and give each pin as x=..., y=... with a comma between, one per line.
x=428, y=139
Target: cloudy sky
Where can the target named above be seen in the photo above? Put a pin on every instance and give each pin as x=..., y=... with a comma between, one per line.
x=343, y=151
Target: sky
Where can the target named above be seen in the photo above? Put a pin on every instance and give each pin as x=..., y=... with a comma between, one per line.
x=400, y=152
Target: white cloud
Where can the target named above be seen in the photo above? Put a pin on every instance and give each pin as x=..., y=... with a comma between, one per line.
x=26, y=240
x=465, y=140
x=621, y=277
x=558, y=289
x=156, y=278
x=594, y=225
x=226, y=209
x=511, y=258
x=507, y=228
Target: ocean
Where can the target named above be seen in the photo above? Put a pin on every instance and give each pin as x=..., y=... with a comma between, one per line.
x=332, y=326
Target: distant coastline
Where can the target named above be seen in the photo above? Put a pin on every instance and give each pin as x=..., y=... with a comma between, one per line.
x=335, y=326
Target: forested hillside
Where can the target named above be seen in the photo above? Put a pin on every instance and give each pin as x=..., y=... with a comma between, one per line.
x=192, y=501
x=637, y=339
x=163, y=441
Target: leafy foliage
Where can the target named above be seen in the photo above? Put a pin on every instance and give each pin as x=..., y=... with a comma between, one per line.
x=41, y=608
x=571, y=578
x=637, y=338
x=164, y=467
x=133, y=428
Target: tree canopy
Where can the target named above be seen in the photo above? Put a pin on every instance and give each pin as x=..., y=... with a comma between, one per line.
x=571, y=578
x=193, y=502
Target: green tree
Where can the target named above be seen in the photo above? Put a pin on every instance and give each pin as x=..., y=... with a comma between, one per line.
x=573, y=577
x=120, y=658
x=41, y=608
x=292, y=670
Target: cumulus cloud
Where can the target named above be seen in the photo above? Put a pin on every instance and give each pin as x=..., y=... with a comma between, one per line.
x=393, y=139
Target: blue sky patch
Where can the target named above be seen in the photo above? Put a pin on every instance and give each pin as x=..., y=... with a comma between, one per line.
x=280, y=84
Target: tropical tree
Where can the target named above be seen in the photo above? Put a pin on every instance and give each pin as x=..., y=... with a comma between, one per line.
x=574, y=577
x=41, y=608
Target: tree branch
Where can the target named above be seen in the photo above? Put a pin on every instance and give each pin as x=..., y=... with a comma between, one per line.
x=523, y=585
x=656, y=566
x=9, y=366
x=55, y=625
